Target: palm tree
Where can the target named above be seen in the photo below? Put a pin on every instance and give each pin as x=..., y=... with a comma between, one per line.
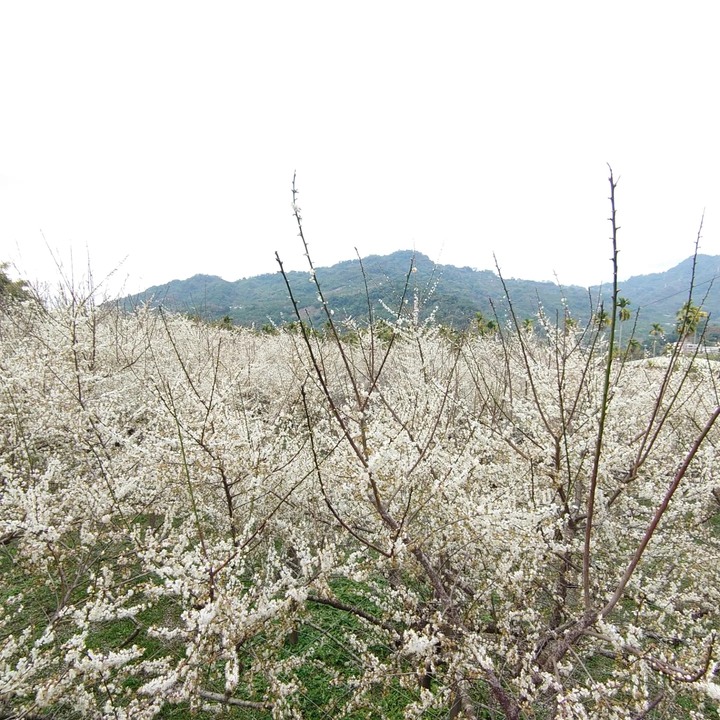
x=689, y=318
x=571, y=324
x=623, y=314
x=656, y=331
x=602, y=319
x=634, y=349
x=480, y=323
x=484, y=325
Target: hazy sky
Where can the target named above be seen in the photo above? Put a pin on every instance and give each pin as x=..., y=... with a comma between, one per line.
x=160, y=138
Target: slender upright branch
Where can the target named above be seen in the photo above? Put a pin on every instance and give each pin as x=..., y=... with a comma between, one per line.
x=590, y=512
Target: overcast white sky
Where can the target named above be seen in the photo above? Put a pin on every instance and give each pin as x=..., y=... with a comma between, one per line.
x=160, y=138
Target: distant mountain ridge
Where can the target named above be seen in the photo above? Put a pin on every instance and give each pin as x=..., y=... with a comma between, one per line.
x=451, y=295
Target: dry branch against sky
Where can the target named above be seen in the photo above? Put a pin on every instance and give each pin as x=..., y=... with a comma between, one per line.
x=160, y=138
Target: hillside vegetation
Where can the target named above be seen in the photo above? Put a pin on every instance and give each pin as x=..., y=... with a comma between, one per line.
x=451, y=295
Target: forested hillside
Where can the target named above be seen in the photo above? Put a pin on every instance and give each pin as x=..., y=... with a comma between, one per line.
x=451, y=295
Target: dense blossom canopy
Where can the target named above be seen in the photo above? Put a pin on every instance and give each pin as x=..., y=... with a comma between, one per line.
x=214, y=518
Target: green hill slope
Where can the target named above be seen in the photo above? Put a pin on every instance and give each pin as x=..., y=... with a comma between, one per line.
x=451, y=295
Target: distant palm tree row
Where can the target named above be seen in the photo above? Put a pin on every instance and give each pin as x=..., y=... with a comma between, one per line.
x=689, y=321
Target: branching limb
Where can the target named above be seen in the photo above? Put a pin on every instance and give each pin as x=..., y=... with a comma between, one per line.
x=679, y=475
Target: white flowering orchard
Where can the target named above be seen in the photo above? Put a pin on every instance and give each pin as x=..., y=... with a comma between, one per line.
x=195, y=520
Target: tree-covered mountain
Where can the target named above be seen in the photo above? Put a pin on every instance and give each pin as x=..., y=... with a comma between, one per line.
x=451, y=295
x=659, y=296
